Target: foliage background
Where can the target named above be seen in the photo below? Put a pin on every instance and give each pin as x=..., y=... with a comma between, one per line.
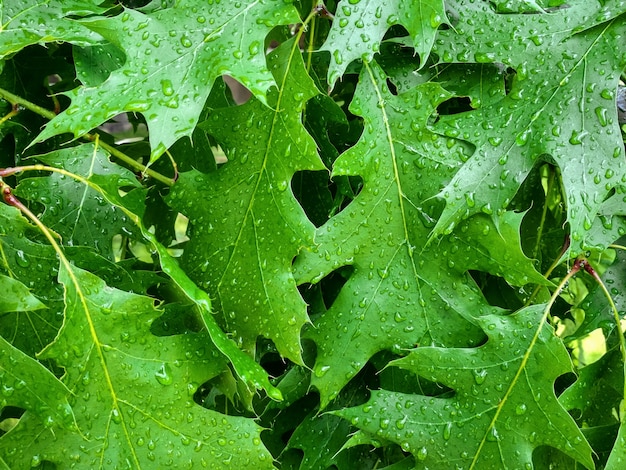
x=404, y=250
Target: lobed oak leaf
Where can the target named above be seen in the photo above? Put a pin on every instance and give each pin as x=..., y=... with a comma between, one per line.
x=132, y=392
x=173, y=56
x=359, y=27
x=249, y=226
x=503, y=407
x=557, y=122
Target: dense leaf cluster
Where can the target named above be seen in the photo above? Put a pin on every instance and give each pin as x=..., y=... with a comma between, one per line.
x=360, y=234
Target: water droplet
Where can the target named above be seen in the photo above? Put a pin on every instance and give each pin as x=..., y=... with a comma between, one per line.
x=495, y=141
x=166, y=87
x=115, y=416
x=254, y=48
x=480, y=376
x=520, y=409
x=577, y=137
x=493, y=435
x=321, y=371
x=484, y=57
x=606, y=94
x=447, y=431
x=137, y=106
x=21, y=259
x=185, y=41
x=522, y=138
x=422, y=453
x=338, y=57
x=601, y=113
x=164, y=375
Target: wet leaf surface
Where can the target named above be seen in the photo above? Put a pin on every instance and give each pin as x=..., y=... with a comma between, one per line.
x=528, y=125
x=503, y=406
x=359, y=27
x=27, y=22
x=173, y=56
x=123, y=382
x=250, y=204
x=351, y=269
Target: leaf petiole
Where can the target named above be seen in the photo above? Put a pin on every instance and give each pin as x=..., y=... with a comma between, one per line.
x=618, y=323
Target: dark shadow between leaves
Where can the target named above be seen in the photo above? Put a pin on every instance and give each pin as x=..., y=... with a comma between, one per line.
x=322, y=197
x=321, y=296
x=456, y=105
x=395, y=379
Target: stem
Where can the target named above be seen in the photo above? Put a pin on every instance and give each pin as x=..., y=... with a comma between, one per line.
x=554, y=264
x=14, y=112
x=130, y=161
x=16, y=100
x=580, y=263
x=311, y=38
x=544, y=213
x=618, y=323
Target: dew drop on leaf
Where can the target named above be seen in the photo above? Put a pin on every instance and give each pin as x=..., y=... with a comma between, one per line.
x=166, y=87
x=480, y=376
x=164, y=375
x=21, y=259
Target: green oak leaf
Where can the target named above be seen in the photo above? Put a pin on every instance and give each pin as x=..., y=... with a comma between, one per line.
x=595, y=397
x=560, y=107
x=25, y=383
x=483, y=84
x=246, y=224
x=618, y=453
x=132, y=392
x=173, y=56
x=76, y=212
x=34, y=265
x=94, y=64
x=398, y=294
x=359, y=27
x=322, y=451
x=479, y=245
x=503, y=405
x=28, y=22
x=105, y=185
x=16, y=297
x=610, y=224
